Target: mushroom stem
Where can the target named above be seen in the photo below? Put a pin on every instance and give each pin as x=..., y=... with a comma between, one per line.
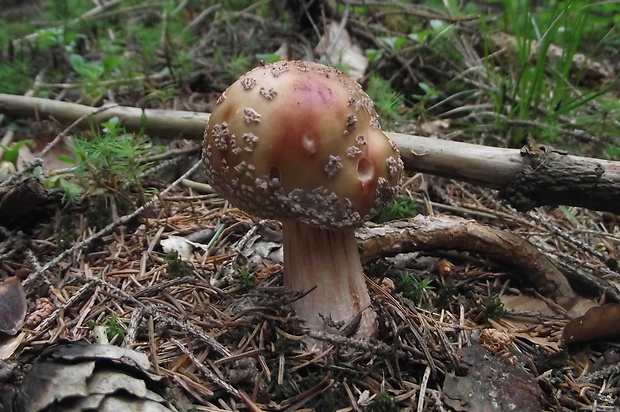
x=329, y=261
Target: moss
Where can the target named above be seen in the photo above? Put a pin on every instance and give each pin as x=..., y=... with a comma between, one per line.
x=384, y=402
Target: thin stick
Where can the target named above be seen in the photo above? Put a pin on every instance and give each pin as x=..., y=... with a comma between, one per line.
x=423, y=385
x=207, y=372
x=38, y=274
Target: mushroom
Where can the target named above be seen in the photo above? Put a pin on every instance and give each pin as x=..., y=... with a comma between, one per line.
x=300, y=142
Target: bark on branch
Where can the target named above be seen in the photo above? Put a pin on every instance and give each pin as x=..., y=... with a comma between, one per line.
x=452, y=232
x=525, y=178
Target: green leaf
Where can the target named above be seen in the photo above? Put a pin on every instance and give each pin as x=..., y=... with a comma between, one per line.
x=110, y=62
x=72, y=190
x=91, y=71
x=420, y=36
x=268, y=58
x=143, y=121
x=569, y=215
x=77, y=62
x=395, y=43
x=373, y=55
x=439, y=26
x=111, y=126
x=12, y=153
x=66, y=159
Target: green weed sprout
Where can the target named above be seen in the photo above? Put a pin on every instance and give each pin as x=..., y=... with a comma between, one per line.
x=12, y=153
x=413, y=288
x=387, y=101
x=384, y=402
x=177, y=267
x=400, y=208
x=491, y=308
x=114, y=329
x=112, y=161
x=612, y=151
x=17, y=76
x=238, y=64
x=542, y=88
x=245, y=280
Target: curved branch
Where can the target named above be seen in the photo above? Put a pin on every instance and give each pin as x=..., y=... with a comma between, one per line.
x=451, y=232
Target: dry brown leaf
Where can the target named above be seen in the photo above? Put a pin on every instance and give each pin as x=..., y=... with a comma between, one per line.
x=434, y=127
x=12, y=306
x=579, y=306
x=10, y=345
x=338, y=49
x=516, y=328
x=285, y=51
x=52, y=158
x=90, y=377
x=526, y=304
x=490, y=385
x=597, y=323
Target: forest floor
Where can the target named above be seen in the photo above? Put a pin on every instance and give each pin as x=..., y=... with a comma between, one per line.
x=459, y=329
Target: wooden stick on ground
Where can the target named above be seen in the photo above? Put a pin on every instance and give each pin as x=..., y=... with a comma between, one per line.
x=534, y=176
x=452, y=232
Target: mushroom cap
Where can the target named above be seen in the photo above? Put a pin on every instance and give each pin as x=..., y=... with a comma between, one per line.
x=300, y=140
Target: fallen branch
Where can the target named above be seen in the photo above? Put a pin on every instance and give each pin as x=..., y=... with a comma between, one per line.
x=525, y=178
x=451, y=232
x=164, y=123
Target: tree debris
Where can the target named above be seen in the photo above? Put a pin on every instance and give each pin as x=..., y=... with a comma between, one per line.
x=12, y=306
x=597, y=323
x=81, y=376
x=528, y=179
x=491, y=385
x=450, y=232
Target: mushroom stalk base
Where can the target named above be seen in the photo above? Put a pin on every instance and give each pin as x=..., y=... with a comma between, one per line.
x=329, y=260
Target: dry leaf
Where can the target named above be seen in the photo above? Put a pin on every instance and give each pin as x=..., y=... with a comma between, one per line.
x=178, y=244
x=338, y=49
x=516, y=328
x=526, y=303
x=9, y=346
x=597, y=323
x=490, y=385
x=12, y=306
x=80, y=376
x=434, y=127
x=285, y=51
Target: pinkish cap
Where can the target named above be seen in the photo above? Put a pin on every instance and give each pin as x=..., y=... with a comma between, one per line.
x=301, y=141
